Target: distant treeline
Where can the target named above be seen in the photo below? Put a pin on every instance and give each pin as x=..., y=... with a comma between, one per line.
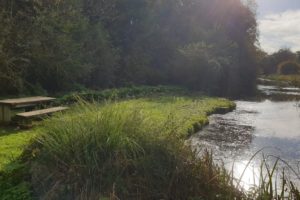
x=284, y=61
x=63, y=45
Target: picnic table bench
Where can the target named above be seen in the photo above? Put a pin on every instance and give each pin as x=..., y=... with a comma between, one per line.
x=7, y=105
x=35, y=113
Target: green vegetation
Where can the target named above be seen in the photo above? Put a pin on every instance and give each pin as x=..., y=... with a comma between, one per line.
x=132, y=149
x=281, y=68
x=150, y=130
x=270, y=187
x=291, y=80
x=125, y=147
x=132, y=92
x=289, y=68
x=12, y=173
x=284, y=61
x=62, y=46
x=12, y=143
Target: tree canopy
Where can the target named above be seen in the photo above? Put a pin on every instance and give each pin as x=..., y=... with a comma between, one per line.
x=56, y=46
x=275, y=62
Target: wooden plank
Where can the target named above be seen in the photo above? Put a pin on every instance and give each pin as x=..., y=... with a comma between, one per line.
x=41, y=112
x=26, y=100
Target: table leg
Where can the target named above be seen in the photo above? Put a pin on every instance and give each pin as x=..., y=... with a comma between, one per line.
x=6, y=113
x=1, y=113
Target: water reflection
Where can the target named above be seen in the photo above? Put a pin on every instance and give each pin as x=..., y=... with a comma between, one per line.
x=235, y=137
x=248, y=174
x=271, y=90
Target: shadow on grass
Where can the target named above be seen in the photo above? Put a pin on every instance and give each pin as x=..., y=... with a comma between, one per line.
x=8, y=130
x=15, y=182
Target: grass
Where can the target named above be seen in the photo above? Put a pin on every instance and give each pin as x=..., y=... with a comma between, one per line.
x=273, y=183
x=135, y=149
x=132, y=92
x=291, y=80
x=12, y=183
x=132, y=149
x=180, y=116
x=129, y=149
x=190, y=114
x=12, y=143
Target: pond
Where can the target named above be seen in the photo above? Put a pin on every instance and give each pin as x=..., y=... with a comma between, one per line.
x=268, y=128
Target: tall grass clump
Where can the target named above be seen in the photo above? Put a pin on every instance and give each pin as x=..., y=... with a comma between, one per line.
x=118, y=151
x=273, y=181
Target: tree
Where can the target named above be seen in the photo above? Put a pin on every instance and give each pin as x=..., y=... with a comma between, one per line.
x=289, y=67
x=207, y=45
x=271, y=62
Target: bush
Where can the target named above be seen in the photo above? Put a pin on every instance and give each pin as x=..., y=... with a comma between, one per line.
x=118, y=150
x=288, y=67
x=120, y=93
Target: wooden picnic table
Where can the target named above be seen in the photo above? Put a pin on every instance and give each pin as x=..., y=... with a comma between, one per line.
x=7, y=105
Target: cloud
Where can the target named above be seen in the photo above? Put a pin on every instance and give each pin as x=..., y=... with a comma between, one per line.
x=281, y=30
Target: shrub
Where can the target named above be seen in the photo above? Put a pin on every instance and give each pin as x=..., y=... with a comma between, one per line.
x=288, y=67
x=120, y=93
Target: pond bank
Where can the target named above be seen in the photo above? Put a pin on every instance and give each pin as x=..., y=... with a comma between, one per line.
x=281, y=80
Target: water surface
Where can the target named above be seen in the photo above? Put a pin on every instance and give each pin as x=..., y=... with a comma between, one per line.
x=273, y=128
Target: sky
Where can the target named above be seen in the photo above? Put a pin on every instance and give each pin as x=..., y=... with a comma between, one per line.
x=279, y=24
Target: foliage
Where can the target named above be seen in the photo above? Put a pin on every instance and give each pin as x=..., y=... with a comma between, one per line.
x=90, y=154
x=207, y=60
x=12, y=183
x=66, y=49
x=131, y=149
x=10, y=72
x=269, y=63
x=288, y=68
x=57, y=45
x=15, y=180
x=120, y=93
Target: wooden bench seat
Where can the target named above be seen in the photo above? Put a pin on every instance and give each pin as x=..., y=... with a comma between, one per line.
x=37, y=113
x=26, y=100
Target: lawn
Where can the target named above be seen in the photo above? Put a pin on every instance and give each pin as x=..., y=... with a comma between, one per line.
x=12, y=143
